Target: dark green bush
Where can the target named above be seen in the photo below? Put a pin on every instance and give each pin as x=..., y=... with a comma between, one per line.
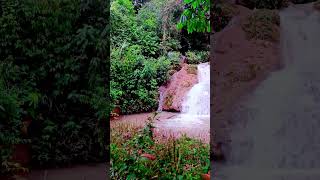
x=127, y=29
x=174, y=58
x=197, y=57
x=55, y=54
x=135, y=79
x=10, y=124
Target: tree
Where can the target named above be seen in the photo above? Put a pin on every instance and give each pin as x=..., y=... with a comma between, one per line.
x=196, y=16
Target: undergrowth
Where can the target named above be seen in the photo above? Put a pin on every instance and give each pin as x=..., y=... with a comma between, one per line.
x=197, y=57
x=182, y=158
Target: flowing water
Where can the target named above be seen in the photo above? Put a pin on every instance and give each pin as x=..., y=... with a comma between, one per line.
x=195, y=116
x=277, y=134
x=161, y=98
x=197, y=102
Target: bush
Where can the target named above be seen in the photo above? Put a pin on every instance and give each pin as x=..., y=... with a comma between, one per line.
x=174, y=58
x=54, y=53
x=127, y=28
x=197, y=57
x=10, y=124
x=135, y=79
x=262, y=24
x=182, y=158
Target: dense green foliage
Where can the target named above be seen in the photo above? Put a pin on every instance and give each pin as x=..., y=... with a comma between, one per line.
x=54, y=55
x=182, y=158
x=197, y=57
x=143, y=52
x=196, y=16
x=10, y=125
x=135, y=80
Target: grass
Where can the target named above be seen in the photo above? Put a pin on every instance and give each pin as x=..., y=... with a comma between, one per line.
x=182, y=158
x=262, y=24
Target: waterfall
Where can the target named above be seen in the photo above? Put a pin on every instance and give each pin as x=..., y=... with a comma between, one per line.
x=161, y=98
x=194, y=120
x=197, y=101
x=277, y=130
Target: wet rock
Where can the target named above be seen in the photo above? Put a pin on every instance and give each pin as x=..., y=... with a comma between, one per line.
x=177, y=88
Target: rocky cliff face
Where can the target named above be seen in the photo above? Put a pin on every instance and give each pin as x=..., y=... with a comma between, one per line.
x=178, y=86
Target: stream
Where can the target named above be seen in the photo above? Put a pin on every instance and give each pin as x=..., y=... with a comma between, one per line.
x=276, y=133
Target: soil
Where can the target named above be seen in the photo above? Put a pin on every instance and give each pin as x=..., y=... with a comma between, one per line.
x=239, y=66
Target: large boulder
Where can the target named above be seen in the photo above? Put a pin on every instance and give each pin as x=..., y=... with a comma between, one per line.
x=178, y=86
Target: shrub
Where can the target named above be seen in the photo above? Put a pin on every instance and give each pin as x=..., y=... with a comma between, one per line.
x=182, y=158
x=197, y=57
x=54, y=53
x=170, y=35
x=174, y=58
x=129, y=28
x=135, y=79
x=262, y=24
x=10, y=124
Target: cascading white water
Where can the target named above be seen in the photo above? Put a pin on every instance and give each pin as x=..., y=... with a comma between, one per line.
x=161, y=98
x=197, y=102
x=277, y=134
x=194, y=120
